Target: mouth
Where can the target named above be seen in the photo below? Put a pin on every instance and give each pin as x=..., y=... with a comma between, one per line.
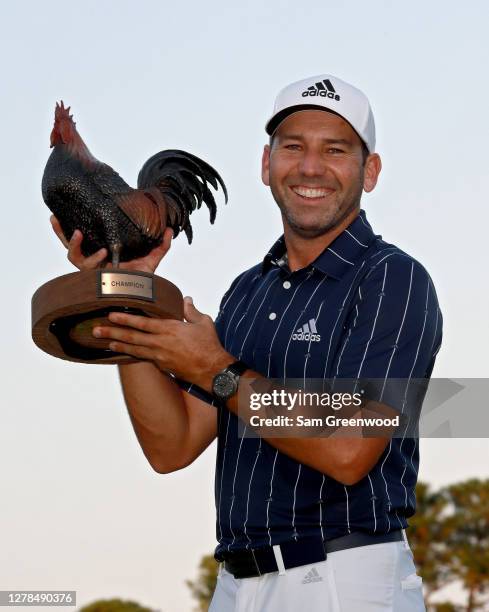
x=311, y=193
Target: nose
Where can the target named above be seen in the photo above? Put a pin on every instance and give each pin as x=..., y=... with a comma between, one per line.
x=312, y=163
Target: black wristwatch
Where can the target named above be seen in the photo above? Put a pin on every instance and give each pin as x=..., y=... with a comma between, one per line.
x=225, y=382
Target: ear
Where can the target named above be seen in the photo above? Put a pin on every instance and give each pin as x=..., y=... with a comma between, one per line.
x=265, y=165
x=373, y=166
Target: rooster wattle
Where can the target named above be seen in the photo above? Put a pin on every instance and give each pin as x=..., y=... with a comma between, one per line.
x=86, y=194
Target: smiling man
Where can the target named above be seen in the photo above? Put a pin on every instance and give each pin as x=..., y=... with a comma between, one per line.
x=316, y=169
x=314, y=523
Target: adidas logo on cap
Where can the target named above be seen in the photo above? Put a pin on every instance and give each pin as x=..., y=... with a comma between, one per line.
x=312, y=576
x=308, y=332
x=322, y=88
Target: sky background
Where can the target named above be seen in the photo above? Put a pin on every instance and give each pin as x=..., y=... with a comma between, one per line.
x=80, y=508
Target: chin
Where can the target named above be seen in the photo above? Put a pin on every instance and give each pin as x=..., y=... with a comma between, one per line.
x=310, y=227
x=314, y=225
x=309, y=231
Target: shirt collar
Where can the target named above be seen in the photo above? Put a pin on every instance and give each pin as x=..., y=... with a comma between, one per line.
x=339, y=257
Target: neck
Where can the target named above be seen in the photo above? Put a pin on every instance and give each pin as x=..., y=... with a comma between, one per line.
x=302, y=251
x=78, y=147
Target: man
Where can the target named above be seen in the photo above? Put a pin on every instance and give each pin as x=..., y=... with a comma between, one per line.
x=301, y=522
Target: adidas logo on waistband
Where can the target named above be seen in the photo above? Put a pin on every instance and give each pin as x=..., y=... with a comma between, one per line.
x=308, y=332
x=312, y=576
x=322, y=88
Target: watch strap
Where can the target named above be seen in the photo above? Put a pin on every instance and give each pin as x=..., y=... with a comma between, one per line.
x=237, y=367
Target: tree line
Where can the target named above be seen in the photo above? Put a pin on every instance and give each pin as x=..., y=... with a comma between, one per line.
x=449, y=537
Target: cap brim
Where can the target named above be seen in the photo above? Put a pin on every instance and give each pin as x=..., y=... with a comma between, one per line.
x=277, y=119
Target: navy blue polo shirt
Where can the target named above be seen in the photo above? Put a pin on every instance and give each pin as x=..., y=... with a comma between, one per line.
x=362, y=309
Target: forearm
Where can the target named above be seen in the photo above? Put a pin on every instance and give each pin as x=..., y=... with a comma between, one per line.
x=158, y=414
x=346, y=459
x=193, y=351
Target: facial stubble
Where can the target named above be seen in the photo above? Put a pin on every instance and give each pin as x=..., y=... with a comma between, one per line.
x=337, y=216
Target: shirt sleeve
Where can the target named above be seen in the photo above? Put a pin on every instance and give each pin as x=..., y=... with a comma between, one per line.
x=392, y=332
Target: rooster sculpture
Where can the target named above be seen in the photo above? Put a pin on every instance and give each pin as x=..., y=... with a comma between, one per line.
x=86, y=194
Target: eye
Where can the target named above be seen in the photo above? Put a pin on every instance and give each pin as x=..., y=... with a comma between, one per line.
x=335, y=151
x=293, y=147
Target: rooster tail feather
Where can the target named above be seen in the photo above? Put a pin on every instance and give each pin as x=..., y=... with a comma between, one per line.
x=189, y=232
x=211, y=203
x=183, y=179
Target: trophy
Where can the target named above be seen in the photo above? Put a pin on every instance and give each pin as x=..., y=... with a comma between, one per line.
x=86, y=194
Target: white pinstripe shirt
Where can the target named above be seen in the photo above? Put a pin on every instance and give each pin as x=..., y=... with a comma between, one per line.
x=363, y=308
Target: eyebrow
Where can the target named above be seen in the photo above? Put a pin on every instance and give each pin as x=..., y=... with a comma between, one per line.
x=342, y=141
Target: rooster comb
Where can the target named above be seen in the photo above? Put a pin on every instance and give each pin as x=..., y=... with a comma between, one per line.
x=60, y=112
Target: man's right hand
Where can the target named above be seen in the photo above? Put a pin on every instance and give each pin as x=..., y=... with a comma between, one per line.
x=149, y=263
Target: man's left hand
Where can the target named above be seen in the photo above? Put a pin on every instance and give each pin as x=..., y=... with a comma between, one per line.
x=189, y=349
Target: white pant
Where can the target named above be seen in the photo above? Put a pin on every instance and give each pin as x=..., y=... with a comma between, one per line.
x=373, y=578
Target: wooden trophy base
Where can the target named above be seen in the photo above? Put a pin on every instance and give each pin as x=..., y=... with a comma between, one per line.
x=66, y=309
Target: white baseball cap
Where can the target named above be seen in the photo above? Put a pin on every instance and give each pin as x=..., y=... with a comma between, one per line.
x=326, y=92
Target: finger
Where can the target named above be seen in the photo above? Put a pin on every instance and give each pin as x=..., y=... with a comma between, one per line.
x=74, y=248
x=76, y=256
x=145, y=324
x=94, y=260
x=58, y=231
x=191, y=314
x=125, y=335
x=167, y=238
x=161, y=250
x=140, y=352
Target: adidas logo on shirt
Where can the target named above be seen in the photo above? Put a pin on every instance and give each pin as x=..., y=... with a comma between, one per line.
x=312, y=576
x=307, y=332
x=322, y=88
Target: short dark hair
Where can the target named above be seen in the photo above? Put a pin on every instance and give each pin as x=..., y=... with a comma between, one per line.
x=365, y=153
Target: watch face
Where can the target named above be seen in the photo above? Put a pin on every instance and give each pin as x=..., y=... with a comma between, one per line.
x=224, y=386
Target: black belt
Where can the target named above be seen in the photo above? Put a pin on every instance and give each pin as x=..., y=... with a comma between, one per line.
x=258, y=561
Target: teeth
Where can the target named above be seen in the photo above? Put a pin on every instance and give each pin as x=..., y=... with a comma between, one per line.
x=307, y=192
